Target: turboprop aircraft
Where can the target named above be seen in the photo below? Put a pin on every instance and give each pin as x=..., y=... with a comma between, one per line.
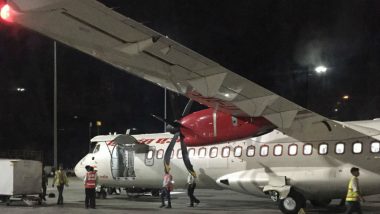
x=287, y=170
x=325, y=149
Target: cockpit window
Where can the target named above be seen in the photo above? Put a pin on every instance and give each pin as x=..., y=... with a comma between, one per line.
x=96, y=149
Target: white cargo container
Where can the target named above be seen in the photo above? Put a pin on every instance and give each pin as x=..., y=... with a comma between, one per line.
x=20, y=177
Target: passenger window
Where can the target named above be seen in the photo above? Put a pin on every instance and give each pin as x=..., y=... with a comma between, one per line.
x=238, y=151
x=160, y=154
x=96, y=149
x=277, y=150
x=191, y=152
x=250, y=151
x=357, y=147
x=339, y=148
x=202, y=152
x=149, y=156
x=213, y=152
x=226, y=152
x=179, y=154
x=307, y=149
x=264, y=150
x=292, y=149
x=375, y=147
x=323, y=149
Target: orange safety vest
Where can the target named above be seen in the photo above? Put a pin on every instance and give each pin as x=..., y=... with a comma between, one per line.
x=90, y=180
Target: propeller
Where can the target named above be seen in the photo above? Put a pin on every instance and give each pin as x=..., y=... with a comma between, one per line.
x=174, y=127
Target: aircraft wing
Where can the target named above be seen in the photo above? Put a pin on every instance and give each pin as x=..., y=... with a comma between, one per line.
x=93, y=28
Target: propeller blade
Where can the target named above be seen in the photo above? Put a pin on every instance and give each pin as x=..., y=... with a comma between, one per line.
x=187, y=108
x=164, y=120
x=168, y=152
x=186, y=159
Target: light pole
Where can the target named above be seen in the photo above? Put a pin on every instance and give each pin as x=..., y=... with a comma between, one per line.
x=55, y=108
x=89, y=136
x=165, y=97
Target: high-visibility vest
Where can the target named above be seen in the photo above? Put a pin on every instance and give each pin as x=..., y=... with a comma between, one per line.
x=90, y=180
x=351, y=195
x=60, y=178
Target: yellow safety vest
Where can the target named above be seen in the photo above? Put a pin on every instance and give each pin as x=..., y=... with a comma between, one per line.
x=351, y=195
x=60, y=178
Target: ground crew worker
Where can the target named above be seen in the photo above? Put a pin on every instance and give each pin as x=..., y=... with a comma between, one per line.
x=60, y=180
x=167, y=187
x=190, y=189
x=90, y=182
x=44, y=185
x=354, y=196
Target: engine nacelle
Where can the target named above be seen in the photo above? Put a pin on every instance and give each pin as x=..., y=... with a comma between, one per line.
x=208, y=126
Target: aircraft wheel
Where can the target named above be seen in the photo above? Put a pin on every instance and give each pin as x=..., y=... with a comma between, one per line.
x=320, y=203
x=103, y=194
x=110, y=190
x=4, y=198
x=292, y=203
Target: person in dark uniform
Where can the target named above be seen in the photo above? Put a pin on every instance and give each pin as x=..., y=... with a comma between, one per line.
x=44, y=185
x=190, y=189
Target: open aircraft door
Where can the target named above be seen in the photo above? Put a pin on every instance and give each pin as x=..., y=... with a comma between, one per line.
x=123, y=155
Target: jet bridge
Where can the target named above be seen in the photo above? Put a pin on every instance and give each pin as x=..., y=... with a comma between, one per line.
x=122, y=149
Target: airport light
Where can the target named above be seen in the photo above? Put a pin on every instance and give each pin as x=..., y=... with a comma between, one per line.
x=20, y=89
x=5, y=13
x=98, y=124
x=320, y=69
x=346, y=97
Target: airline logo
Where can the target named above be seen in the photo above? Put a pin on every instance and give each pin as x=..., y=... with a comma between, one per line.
x=154, y=140
x=147, y=141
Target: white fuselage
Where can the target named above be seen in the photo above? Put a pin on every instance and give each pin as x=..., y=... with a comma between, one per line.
x=316, y=169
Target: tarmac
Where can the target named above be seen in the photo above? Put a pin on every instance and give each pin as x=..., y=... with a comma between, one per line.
x=212, y=201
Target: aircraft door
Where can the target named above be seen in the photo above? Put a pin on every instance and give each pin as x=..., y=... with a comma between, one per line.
x=123, y=151
x=129, y=161
x=116, y=161
x=122, y=162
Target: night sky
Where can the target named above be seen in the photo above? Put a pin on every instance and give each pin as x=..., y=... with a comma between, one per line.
x=276, y=44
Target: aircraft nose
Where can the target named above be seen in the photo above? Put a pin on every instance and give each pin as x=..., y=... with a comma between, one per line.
x=80, y=169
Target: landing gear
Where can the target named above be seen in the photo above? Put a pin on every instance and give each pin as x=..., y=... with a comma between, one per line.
x=320, y=203
x=101, y=192
x=113, y=190
x=292, y=203
x=155, y=192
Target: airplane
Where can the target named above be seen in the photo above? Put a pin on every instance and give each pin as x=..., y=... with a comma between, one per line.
x=326, y=148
